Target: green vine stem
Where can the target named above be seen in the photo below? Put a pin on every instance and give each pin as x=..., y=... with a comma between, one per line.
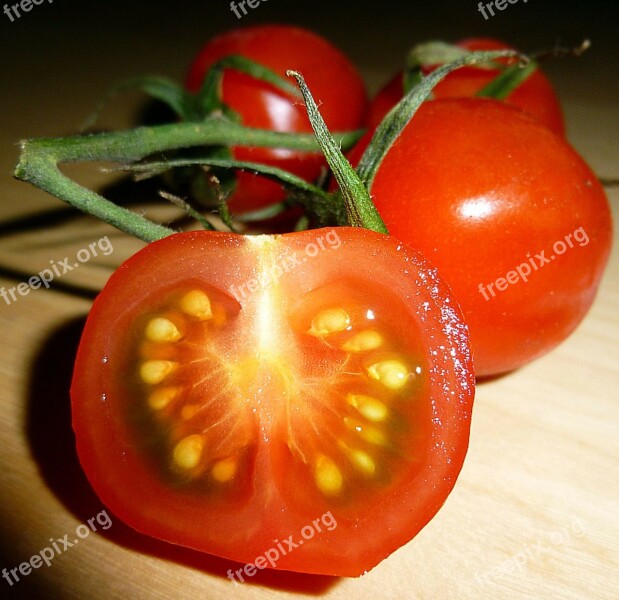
x=360, y=210
x=208, y=98
x=400, y=115
x=507, y=81
x=315, y=200
x=40, y=159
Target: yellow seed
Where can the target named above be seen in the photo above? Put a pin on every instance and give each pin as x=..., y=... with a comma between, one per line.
x=224, y=470
x=362, y=461
x=196, y=304
x=373, y=436
x=391, y=373
x=155, y=371
x=328, y=476
x=370, y=434
x=189, y=411
x=363, y=341
x=331, y=320
x=370, y=408
x=162, y=330
x=159, y=399
x=188, y=452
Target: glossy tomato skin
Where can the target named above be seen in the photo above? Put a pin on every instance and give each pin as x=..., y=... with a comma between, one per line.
x=535, y=96
x=482, y=189
x=331, y=77
x=283, y=386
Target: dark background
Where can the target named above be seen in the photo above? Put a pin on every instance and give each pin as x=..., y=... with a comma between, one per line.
x=114, y=40
x=57, y=60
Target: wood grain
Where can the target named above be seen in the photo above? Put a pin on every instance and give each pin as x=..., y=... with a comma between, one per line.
x=535, y=512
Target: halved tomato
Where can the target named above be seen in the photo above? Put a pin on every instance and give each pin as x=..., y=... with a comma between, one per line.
x=231, y=391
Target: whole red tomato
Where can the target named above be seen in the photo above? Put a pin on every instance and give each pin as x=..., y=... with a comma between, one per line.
x=509, y=213
x=299, y=402
x=535, y=95
x=334, y=81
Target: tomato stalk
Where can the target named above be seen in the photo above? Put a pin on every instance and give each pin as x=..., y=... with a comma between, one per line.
x=360, y=210
x=400, y=115
x=207, y=101
x=40, y=159
x=208, y=124
x=208, y=98
x=431, y=54
x=316, y=201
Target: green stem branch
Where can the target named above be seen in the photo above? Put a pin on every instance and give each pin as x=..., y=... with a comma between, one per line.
x=39, y=160
x=360, y=209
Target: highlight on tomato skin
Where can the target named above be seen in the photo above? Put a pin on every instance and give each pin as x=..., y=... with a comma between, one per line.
x=483, y=189
x=229, y=390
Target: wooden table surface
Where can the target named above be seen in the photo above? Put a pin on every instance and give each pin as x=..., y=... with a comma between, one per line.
x=535, y=512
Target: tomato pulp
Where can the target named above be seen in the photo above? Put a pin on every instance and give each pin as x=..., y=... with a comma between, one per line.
x=230, y=390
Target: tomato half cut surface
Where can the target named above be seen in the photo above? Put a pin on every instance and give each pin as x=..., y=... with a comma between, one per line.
x=231, y=391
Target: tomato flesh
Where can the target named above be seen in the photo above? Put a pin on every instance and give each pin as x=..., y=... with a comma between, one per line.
x=230, y=390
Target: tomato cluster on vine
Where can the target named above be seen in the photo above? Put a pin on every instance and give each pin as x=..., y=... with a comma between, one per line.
x=244, y=367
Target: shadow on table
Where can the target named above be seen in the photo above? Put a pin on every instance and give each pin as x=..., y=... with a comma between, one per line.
x=52, y=442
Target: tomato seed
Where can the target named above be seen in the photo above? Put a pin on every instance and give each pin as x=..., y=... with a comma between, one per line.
x=155, y=371
x=196, y=304
x=162, y=330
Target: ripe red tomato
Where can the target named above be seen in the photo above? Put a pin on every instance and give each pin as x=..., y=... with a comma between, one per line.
x=515, y=221
x=535, y=95
x=334, y=82
x=230, y=392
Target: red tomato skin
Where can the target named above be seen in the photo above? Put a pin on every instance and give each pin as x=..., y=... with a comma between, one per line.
x=535, y=96
x=242, y=531
x=333, y=80
x=480, y=187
